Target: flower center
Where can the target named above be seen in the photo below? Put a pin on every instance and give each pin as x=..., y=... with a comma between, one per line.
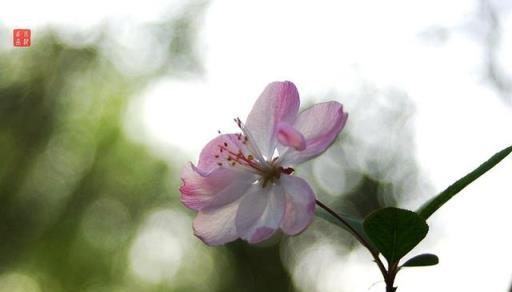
x=273, y=174
x=270, y=176
x=238, y=150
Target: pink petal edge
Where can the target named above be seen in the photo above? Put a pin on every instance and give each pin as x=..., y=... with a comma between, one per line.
x=319, y=124
x=220, y=186
x=278, y=102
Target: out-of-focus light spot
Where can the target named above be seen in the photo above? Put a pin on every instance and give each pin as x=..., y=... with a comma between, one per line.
x=135, y=49
x=18, y=282
x=156, y=256
x=179, y=113
x=180, y=121
x=332, y=170
x=326, y=266
x=106, y=223
x=312, y=268
x=360, y=271
x=505, y=47
x=158, y=250
x=78, y=38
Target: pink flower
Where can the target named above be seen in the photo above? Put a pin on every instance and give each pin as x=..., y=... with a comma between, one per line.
x=243, y=185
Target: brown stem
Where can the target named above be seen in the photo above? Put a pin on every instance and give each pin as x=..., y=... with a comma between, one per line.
x=391, y=274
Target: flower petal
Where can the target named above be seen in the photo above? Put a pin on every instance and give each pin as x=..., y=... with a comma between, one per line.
x=216, y=226
x=278, y=102
x=260, y=213
x=300, y=204
x=320, y=124
x=289, y=136
x=218, y=187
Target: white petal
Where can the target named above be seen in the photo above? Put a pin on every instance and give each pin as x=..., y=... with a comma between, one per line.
x=300, y=204
x=216, y=226
x=260, y=213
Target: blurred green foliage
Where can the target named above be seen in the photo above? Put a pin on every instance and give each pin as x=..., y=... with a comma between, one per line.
x=62, y=148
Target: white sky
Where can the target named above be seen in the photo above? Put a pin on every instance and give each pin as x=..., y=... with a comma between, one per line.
x=330, y=46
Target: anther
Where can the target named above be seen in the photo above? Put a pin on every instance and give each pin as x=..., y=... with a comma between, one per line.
x=219, y=163
x=250, y=157
x=238, y=122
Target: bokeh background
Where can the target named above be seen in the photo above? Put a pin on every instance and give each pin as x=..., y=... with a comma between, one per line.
x=98, y=116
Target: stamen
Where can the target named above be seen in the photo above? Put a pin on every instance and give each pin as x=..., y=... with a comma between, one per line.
x=249, y=156
x=241, y=159
x=238, y=122
x=254, y=160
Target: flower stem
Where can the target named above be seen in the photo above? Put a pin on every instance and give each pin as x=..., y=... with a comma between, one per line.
x=389, y=276
x=354, y=232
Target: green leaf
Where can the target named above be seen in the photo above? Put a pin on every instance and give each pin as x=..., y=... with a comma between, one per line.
x=435, y=203
x=395, y=231
x=356, y=224
x=422, y=260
